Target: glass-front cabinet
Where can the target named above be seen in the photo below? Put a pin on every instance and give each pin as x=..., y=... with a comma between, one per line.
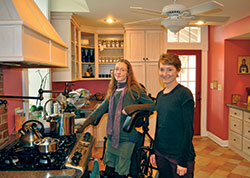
x=75, y=66
x=88, y=59
x=67, y=26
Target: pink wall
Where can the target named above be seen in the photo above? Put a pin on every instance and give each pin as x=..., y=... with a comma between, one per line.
x=222, y=66
x=94, y=86
x=12, y=85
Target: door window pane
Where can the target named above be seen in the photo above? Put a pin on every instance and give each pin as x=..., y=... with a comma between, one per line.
x=187, y=76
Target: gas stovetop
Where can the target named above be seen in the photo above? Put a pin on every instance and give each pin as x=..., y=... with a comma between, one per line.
x=17, y=157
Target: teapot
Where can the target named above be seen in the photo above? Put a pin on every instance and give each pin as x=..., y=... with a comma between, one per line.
x=31, y=130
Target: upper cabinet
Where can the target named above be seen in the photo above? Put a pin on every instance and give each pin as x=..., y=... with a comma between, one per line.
x=68, y=28
x=143, y=44
x=88, y=54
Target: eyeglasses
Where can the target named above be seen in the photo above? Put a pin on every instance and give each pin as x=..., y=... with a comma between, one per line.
x=120, y=69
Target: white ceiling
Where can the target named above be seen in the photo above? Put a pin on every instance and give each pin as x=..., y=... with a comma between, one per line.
x=119, y=9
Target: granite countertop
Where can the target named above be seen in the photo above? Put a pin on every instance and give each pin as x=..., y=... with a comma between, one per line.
x=242, y=106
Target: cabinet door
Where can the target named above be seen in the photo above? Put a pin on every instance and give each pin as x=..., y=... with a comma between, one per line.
x=152, y=78
x=139, y=72
x=154, y=44
x=147, y=74
x=135, y=45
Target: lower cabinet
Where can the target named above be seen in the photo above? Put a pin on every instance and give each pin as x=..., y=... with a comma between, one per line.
x=239, y=132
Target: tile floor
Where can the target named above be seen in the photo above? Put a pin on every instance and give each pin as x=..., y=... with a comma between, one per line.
x=212, y=161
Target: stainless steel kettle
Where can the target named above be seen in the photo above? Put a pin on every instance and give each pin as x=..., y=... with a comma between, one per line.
x=61, y=123
x=30, y=131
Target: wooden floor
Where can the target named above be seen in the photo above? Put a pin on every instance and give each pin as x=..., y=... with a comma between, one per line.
x=212, y=161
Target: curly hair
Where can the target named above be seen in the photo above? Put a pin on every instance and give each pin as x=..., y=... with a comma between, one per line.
x=131, y=81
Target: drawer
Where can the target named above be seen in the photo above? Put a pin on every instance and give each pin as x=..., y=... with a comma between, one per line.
x=246, y=129
x=235, y=140
x=247, y=116
x=236, y=125
x=246, y=146
x=236, y=113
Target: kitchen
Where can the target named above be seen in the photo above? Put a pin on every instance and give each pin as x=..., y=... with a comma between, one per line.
x=225, y=44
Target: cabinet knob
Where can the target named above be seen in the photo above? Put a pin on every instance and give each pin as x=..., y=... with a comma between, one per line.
x=234, y=139
x=234, y=125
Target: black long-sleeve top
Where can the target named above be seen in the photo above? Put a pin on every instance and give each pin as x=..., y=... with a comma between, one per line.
x=174, y=128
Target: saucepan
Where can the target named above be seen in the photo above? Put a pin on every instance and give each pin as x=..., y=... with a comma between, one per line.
x=47, y=144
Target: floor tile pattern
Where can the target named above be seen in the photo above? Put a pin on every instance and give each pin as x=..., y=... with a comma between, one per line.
x=212, y=160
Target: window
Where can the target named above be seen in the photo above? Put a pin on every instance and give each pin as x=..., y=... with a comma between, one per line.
x=187, y=76
x=186, y=35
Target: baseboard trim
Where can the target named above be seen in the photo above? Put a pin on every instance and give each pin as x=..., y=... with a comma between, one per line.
x=219, y=141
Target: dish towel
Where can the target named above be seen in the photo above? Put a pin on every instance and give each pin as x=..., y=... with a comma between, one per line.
x=95, y=170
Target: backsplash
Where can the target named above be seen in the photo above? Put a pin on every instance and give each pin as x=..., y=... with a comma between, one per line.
x=3, y=115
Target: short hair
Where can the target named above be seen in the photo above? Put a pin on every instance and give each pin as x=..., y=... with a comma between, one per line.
x=170, y=59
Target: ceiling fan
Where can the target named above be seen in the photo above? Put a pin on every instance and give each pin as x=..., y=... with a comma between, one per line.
x=176, y=16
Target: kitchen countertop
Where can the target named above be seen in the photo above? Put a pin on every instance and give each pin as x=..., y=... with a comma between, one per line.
x=242, y=106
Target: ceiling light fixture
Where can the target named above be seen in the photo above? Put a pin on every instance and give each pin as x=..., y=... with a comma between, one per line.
x=174, y=25
x=200, y=22
x=110, y=20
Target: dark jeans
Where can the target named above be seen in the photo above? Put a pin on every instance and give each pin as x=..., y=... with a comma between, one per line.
x=167, y=167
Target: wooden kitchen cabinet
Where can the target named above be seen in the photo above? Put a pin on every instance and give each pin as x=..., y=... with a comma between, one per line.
x=88, y=54
x=143, y=48
x=147, y=74
x=68, y=28
x=239, y=131
x=143, y=44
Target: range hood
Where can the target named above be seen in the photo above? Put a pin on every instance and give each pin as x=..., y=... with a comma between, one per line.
x=27, y=39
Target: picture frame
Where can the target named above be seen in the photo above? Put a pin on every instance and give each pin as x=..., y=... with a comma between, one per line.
x=235, y=98
x=244, y=65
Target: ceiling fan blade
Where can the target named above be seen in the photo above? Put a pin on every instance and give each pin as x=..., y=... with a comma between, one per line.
x=153, y=12
x=212, y=18
x=143, y=21
x=205, y=8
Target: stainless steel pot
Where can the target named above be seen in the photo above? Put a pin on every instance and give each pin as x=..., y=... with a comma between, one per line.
x=47, y=144
x=62, y=123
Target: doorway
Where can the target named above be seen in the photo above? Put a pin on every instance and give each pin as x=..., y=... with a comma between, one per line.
x=190, y=76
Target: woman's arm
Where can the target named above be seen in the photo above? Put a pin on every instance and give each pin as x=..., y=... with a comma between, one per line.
x=96, y=114
x=186, y=146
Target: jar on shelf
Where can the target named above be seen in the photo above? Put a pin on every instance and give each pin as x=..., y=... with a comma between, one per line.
x=117, y=43
x=108, y=43
x=104, y=43
x=121, y=43
x=113, y=43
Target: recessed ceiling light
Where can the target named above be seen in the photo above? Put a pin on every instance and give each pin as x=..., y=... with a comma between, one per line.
x=110, y=20
x=200, y=22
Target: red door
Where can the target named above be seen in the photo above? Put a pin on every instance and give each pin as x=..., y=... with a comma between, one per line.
x=191, y=62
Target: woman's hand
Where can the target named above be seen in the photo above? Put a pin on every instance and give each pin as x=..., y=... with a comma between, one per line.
x=152, y=159
x=181, y=171
x=124, y=112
